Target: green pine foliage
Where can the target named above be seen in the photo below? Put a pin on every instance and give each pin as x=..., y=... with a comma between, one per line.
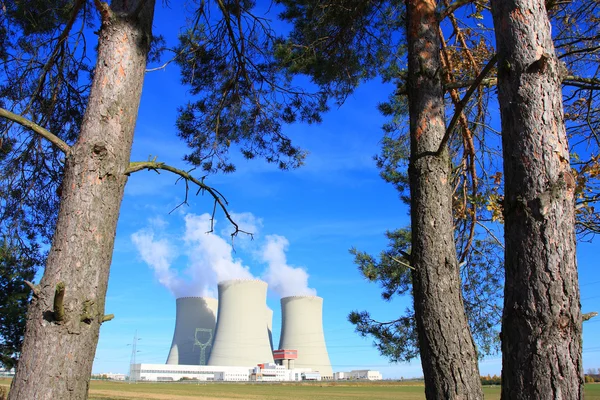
x=15, y=268
x=242, y=94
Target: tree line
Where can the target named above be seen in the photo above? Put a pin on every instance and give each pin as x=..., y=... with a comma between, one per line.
x=67, y=129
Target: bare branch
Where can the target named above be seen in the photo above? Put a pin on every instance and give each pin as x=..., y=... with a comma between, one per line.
x=469, y=83
x=219, y=199
x=34, y=288
x=460, y=106
x=487, y=82
x=491, y=234
x=589, y=315
x=403, y=263
x=46, y=134
x=107, y=317
x=453, y=7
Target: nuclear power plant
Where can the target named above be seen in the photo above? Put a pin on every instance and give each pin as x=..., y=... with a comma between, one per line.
x=231, y=339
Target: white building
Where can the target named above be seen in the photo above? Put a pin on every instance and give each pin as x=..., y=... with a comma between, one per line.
x=109, y=375
x=7, y=373
x=268, y=372
x=173, y=372
x=360, y=374
x=311, y=376
x=340, y=376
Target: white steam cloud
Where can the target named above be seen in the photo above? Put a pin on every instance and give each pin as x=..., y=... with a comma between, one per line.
x=158, y=254
x=281, y=277
x=210, y=258
x=211, y=255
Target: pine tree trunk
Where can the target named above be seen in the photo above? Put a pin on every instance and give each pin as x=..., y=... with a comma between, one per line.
x=57, y=355
x=448, y=353
x=541, y=326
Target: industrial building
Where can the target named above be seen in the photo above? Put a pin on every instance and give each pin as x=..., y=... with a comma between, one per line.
x=230, y=339
x=361, y=374
x=268, y=372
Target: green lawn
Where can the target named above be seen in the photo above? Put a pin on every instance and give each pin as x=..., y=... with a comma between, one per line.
x=318, y=391
x=102, y=390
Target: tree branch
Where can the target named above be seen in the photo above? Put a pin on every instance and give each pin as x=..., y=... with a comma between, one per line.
x=491, y=234
x=464, y=84
x=35, y=290
x=403, y=263
x=460, y=107
x=453, y=7
x=107, y=317
x=487, y=82
x=217, y=196
x=52, y=138
x=463, y=103
x=106, y=13
x=589, y=315
x=59, y=295
x=405, y=255
x=583, y=83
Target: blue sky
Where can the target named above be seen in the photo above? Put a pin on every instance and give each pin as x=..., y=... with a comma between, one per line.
x=307, y=218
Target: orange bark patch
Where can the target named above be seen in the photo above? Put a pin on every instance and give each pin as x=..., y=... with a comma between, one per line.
x=421, y=128
x=422, y=9
x=519, y=14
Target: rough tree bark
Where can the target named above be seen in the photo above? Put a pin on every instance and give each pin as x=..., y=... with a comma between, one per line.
x=448, y=353
x=58, y=352
x=541, y=326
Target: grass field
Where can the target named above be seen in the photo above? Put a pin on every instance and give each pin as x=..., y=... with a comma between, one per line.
x=101, y=390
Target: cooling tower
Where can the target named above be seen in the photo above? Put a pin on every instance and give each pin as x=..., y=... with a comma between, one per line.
x=194, y=331
x=270, y=326
x=302, y=330
x=241, y=337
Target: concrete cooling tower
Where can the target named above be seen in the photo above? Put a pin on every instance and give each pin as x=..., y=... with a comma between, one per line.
x=194, y=331
x=270, y=326
x=241, y=337
x=302, y=330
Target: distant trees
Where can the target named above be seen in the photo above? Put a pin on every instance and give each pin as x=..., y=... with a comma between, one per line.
x=592, y=375
x=491, y=380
